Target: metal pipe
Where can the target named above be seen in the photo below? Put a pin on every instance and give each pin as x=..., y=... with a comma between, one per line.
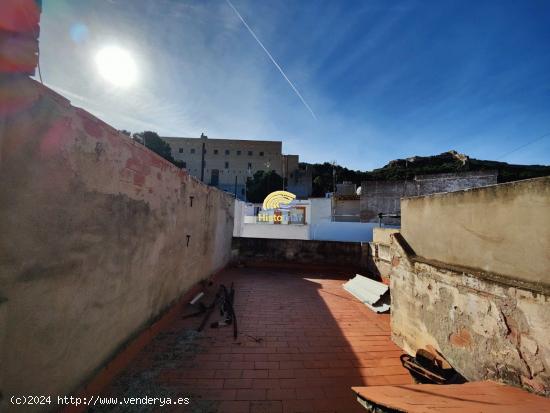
x=197, y=298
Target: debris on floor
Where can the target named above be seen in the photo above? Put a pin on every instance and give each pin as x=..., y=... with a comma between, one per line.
x=300, y=347
x=224, y=300
x=372, y=293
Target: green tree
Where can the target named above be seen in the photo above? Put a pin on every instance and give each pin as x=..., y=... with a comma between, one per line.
x=153, y=141
x=262, y=184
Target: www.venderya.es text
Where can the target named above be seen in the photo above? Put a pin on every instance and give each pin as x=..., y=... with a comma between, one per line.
x=98, y=400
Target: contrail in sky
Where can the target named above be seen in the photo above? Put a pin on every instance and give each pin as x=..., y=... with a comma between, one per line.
x=272, y=59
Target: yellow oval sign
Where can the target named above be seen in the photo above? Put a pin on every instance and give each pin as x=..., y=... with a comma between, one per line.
x=275, y=199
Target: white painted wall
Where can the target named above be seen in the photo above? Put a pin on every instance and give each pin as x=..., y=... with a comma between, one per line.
x=342, y=231
x=321, y=210
x=319, y=227
x=275, y=231
x=238, y=222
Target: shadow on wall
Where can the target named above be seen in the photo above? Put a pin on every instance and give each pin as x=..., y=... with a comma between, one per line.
x=99, y=236
x=476, y=285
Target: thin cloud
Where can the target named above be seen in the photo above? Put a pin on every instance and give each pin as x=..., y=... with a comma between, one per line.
x=272, y=59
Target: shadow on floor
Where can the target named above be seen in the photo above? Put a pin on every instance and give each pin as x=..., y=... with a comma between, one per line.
x=303, y=342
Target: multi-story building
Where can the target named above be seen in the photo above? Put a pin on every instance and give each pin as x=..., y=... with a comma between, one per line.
x=228, y=163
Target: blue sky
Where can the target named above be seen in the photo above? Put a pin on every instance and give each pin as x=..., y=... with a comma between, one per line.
x=385, y=79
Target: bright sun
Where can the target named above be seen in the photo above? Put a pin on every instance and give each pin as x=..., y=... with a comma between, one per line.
x=116, y=65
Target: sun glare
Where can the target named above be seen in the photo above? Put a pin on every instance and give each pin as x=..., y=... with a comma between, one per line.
x=116, y=66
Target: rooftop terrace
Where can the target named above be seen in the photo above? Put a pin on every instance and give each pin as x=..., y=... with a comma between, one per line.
x=303, y=343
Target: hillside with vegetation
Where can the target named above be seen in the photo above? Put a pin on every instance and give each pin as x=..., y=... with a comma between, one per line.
x=406, y=169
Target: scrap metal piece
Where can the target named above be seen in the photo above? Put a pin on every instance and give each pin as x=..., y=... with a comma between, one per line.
x=197, y=298
x=369, y=292
x=209, y=310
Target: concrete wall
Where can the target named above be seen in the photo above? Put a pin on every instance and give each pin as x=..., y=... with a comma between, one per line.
x=286, y=251
x=379, y=253
x=98, y=238
x=502, y=229
x=471, y=276
x=346, y=210
x=274, y=231
x=486, y=328
x=384, y=196
x=436, y=183
x=321, y=210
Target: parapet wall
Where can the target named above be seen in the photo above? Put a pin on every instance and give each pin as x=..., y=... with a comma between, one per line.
x=99, y=236
x=471, y=277
x=379, y=253
x=485, y=328
x=315, y=254
x=502, y=229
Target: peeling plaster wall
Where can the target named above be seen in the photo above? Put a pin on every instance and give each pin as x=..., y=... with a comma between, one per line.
x=378, y=253
x=98, y=238
x=487, y=330
x=471, y=277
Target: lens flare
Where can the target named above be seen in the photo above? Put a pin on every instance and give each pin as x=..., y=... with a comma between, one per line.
x=117, y=66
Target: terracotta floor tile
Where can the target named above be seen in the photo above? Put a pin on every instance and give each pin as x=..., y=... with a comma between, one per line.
x=303, y=343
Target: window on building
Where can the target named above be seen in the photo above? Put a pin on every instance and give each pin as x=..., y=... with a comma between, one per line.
x=249, y=165
x=180, y=150
x=215, y=151
x=227, y=151
x=192, y=150
x=249, y=153
x=238, y=152
x=261, y=154
x=184, y=164
x=227, y=165
x=292, y=175
x=242, y=191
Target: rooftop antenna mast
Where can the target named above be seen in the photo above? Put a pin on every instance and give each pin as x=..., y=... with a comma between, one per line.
x=333, y=163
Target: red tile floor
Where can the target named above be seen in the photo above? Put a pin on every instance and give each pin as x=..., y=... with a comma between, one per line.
x=303, y=342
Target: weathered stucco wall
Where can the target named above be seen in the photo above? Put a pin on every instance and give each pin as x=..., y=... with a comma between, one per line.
x=98, y=236
x=346, y=210
x=378, y=252
x=383, y=197
x=436, y=183
x=487, y=329
x=471, y=276
x=503, y=229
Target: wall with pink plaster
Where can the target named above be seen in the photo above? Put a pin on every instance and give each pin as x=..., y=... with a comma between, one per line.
x=98, y=237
